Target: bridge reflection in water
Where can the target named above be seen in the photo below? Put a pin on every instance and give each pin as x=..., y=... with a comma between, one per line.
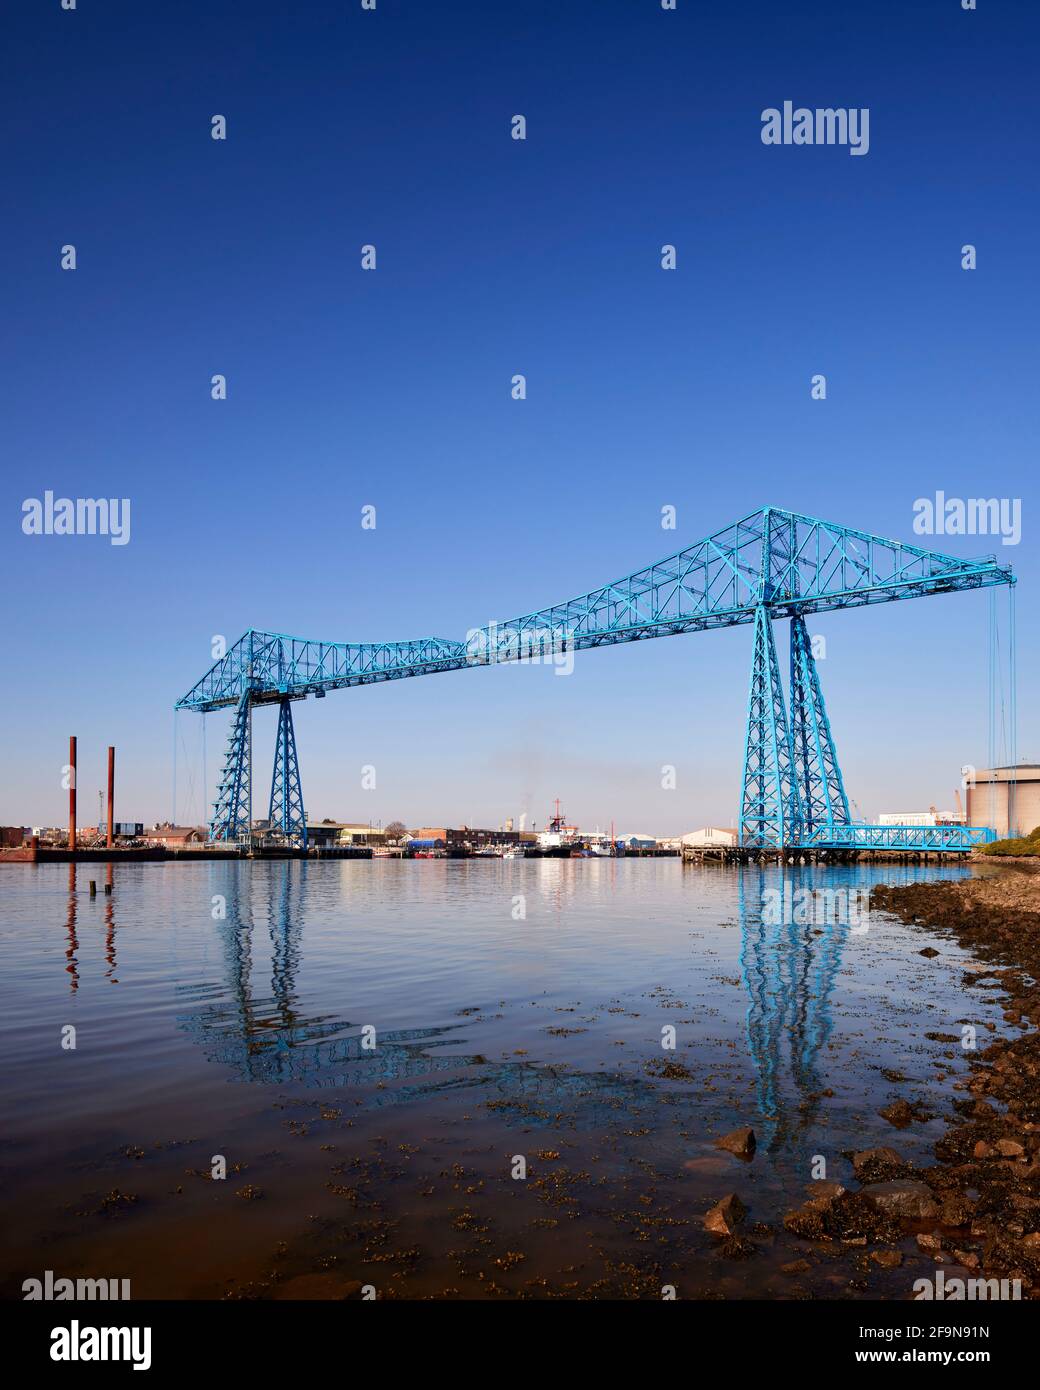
x=267, y=1036
x=791, y=948
x=789, y=962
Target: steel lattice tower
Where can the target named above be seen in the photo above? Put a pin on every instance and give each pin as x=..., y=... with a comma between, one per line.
x=232, y=811
x=287, y=814
x=817, y=771
x=770, y=806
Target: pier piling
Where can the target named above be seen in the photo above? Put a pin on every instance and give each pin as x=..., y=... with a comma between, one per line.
x=72, y=792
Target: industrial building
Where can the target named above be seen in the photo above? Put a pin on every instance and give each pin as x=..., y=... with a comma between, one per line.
x=175, y=836
x=465, y=837
x=1007, y=798
x=711, y=836
x=329, y=832
x=638, y=840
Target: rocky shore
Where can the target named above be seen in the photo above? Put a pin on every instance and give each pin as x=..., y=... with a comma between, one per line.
x=977, y=1209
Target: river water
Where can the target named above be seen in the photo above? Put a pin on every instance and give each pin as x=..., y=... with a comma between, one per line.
x=451, y=1078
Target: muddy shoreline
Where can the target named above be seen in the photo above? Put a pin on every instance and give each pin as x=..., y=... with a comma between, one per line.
x=973, y=1213
x=977, y=1209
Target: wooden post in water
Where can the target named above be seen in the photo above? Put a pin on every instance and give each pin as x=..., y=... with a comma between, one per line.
x=72, y=793
x=111, y=797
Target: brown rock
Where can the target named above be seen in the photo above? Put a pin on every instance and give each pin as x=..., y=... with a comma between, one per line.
x=1023, y=1203
x=956, y=1210
x=929, y=1243
x=740, y=1142
x=796, y=1267
x=902, y=1197
x=807, y=1221
x=983, y=1110
x=928, y=951
x=726, y=1216
x=1010, y=1148
x=849, y=1217
x=867, y=1158
x=887, y=1259
x=898, y=1113
x=737, y=1248
x=823, y=1191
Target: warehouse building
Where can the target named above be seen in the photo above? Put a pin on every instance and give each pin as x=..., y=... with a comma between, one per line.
x=340, y=833
x=466, y=837
x=710, y=837
x=172, y=836
x=1008, y=798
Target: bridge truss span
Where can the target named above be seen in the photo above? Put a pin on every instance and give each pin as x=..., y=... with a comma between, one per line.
x=768, y=565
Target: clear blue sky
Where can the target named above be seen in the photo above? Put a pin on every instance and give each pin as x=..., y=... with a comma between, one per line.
x=495, y=257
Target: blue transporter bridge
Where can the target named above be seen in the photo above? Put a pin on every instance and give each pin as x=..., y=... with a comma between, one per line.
x=769, y=565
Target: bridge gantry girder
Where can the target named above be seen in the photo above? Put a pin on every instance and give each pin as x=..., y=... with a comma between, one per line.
x=770, y=564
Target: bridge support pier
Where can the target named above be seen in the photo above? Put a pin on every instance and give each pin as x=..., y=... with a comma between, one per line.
x=287, y=814
x=820, y=783
x=770, y=809
x=233, y=808
x=793, y=789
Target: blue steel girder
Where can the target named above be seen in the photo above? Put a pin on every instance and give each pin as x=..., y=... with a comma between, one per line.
x=287, y=817
x=792, y=564
x=275, y=666
x=946, y=839
x=232, y=810
x=817, y=771
x=770, y=804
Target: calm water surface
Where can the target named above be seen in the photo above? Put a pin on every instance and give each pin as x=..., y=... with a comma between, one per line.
x=497, y=1036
